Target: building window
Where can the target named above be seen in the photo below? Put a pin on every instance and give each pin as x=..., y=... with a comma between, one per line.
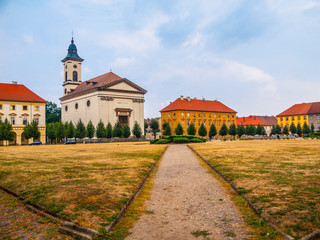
x=75, y=76
x=65, y=91
x=36, y=108
x=12, y=107
x=305, y=118
x=194, y=115
x=174, y=114
x=76, y=105
x=188, y=114
x=164, y=115
x=318, y=117
x=199, y=115
x=88, y=103
x=36, y=119
x=228, y=116
x=299, y=118
x=210, y=123
x=204, y=123
x=209, y=115
x=292, y=118
x=188, y=123
x=0, y=106
x=199, y=123
x=25, y=121
x=204, y=115
x=13, y=120
x=66, y=76
x=169, y=115
x=0, y=118
x=219, y=116
x=25, y=108
x=311, y=117
x=182, y=114
x=194, y=122
x=224, y=116
x=219, y=123
x=287, y=118
x=66, y=108
x=232, y=116
x=182, y=123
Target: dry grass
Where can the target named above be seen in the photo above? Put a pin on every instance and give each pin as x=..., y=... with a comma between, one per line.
x=280, y=177
x=88, y=183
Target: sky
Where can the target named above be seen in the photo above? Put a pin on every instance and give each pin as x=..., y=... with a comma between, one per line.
x=256, y=57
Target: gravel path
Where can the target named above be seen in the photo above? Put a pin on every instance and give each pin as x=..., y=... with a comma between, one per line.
x=16, y=222
x=186, y=199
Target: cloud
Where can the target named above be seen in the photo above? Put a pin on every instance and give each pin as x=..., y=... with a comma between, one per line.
x=194, y=40
x=28, y=38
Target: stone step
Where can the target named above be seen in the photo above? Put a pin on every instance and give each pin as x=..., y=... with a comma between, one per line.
x=78, y=231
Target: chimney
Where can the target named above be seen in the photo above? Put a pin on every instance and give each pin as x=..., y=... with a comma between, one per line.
x=188, y=98
x=195, y=98
x=181, y=97
x=14, y=82
x=203, y=99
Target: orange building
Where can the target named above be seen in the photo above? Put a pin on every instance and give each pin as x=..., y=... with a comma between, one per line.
x=186, y=111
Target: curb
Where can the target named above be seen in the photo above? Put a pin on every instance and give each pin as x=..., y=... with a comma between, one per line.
x=286, y=237
x=132, y=197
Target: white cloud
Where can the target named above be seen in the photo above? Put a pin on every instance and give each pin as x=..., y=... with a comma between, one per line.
x=194, y=40
x=28, y=38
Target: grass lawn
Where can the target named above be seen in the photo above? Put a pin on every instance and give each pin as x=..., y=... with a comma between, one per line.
x=86, y=182
x=280, y=177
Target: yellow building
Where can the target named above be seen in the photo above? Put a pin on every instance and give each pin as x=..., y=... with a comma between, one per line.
x=186, y=111
x=20, y=106
x=299, y=114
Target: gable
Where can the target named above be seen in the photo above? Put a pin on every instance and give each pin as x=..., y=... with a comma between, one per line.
x=123, y=86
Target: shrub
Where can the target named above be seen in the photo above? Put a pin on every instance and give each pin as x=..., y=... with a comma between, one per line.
x=203, y=139
x=163, y=141
x=154, y=141
x=181, y=140
x=196, y=140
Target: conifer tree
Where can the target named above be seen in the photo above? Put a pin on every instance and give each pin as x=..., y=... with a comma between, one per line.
x=179, y=130
x=285, y=130
x=109, y=131
x=191, y=129
x=154, y=125
x=293, y=128
x=306, y=128
x=212, y=131
x=251, y=130
x=278, y=129
x=100, y=131
x=167, y=131
x=273, y=130
x=80, y=130
x=299, y=130
x=117, y=130
x=259, y=130
x=263, y=131
x=51, y=132
x=202, y=131
x=70, y=130
x=223, y=130
x=90, y=130
x=241, y=130
x=312, y=128
x=233, y=130
x=60, y=131
x=126, y=131
x=136, y=131
x=6, y=132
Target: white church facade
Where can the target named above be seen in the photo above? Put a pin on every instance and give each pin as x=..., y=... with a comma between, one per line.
x=108, y=97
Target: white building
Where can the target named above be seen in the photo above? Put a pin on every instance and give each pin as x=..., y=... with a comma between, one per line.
x=107, y=97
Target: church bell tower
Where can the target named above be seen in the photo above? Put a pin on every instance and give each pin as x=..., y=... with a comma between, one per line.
x=72, y=69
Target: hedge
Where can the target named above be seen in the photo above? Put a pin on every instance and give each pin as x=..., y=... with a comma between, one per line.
x=162, y=141
x=181, y=140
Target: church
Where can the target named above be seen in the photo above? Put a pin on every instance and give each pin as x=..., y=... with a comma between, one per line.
x=108, y=97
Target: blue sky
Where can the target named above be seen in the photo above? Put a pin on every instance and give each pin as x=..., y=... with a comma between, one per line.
x=257, y=57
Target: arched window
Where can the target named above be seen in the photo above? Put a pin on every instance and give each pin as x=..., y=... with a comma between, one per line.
x=75, y=76
x=66, y=77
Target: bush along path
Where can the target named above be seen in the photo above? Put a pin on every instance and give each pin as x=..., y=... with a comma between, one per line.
x=186, y=202
x=178, y=139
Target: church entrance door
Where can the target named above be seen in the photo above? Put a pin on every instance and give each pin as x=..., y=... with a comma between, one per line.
x=123, y=120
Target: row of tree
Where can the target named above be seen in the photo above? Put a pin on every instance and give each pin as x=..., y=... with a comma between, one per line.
x=305, y=129
x=58, y=131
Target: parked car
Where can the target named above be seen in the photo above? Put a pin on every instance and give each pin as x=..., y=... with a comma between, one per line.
x=70, y=142
x=36, y=143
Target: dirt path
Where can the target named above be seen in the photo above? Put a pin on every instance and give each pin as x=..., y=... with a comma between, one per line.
x=16, y=222
x=185, y=200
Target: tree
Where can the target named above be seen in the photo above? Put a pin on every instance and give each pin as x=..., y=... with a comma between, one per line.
x=285, y=130
x=167, y=131
x=31, y=131
x=179, y=129
x=259, y=129
x=6, y=132
x=70, y=130
x=146, y=125
x=312, y=128
x=251, y=130
x=278, y=129
x=109, y=131
x=154, y=125
x=126, y=131
x=241, y=130
x=202, y=131
x=60, y=131
x=136, y=131
x=80, y=130
x=306, y=128
x=263, y=131
x=117, y=130
x=212, y=131
x=90, y=130
x=299, y=130
x=51, y=132
x=53, y=113
x=273, y=130
x=100, y=131
x=233, y=130
x=164, y=124
x=293, y=128
x=191, y=129
x=223, y=130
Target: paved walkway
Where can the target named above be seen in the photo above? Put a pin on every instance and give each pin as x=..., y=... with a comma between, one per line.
x=186, y=199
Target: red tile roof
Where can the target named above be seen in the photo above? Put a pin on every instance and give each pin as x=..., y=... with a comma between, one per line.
x=197, y=105
x=107, y=79
x=19, y=93
x=301, y=109
x=256, y=120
